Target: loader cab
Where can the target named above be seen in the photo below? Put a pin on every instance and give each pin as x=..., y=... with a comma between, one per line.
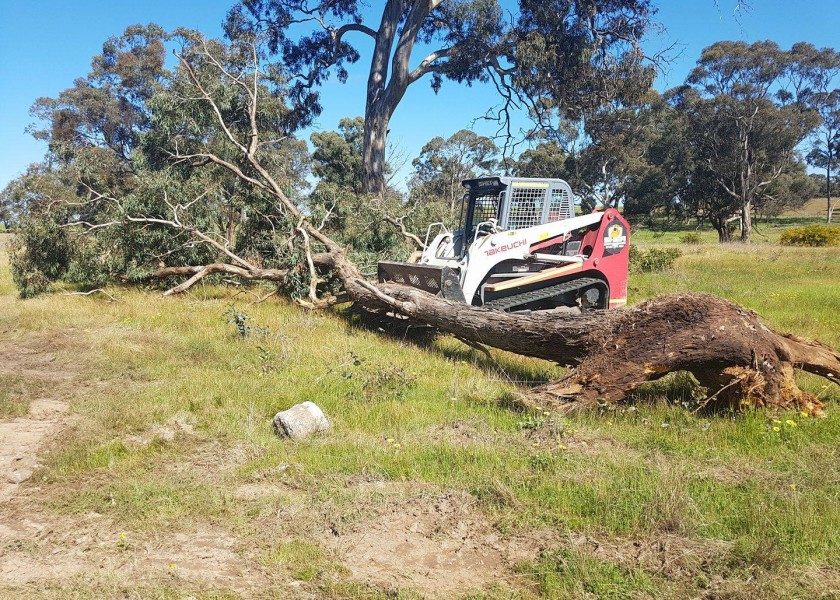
x=514, y=203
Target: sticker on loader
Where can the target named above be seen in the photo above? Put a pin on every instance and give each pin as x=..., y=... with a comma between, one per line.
x=615, y=239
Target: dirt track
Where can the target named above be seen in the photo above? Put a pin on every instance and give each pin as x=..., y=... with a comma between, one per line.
x=434, y=543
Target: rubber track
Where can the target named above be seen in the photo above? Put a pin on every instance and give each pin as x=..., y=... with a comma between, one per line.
x=541, y=294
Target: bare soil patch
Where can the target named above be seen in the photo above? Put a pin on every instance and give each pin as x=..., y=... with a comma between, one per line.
x=46, y=382
x=46, y=548
x=39, y=548
x=441, y=546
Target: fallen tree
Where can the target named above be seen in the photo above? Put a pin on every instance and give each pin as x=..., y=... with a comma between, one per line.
x=726, y=347
x=739, y=360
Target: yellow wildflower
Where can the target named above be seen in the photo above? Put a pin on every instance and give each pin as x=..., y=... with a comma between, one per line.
x=776, y=429
x=791, y=422
x=397, y=446
x=793, y=486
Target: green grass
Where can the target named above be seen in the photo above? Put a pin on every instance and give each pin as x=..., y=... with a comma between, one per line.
x=173, y=374
x=568, y=574
x=13, y=396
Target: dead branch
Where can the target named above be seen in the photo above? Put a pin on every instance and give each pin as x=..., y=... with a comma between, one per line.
x=199, y=272
x=96, y=291
x=398, y=222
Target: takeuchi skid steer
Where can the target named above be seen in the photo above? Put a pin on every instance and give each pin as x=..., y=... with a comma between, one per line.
x=521, y=247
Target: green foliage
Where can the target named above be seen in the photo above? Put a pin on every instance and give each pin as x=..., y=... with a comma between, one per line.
x=547, y=160
x=108, y=166
x=812, y=235
x=242, y=322
x=443, y=164
x=692, y=238
x=653, y=260
x=40, y=253
x=337, y=156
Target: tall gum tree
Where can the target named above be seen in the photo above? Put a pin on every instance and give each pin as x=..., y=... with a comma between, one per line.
x=540, y=58
x=748, y=114
x=816, y=75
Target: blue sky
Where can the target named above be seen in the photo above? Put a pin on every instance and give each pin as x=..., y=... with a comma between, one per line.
x=45, y=45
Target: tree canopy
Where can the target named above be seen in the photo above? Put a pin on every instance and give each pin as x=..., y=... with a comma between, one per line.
x=551, y=58
x=444, y=163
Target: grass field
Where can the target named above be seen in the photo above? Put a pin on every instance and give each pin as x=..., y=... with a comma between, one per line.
x=161, y=477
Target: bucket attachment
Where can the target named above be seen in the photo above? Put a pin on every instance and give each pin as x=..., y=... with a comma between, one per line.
x=442, y=281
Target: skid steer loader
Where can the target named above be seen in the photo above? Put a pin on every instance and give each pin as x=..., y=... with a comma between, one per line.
x=519, y=247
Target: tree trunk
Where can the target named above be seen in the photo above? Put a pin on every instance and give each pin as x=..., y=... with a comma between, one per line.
x=722, y=228
x=830, y=209
x=746, y=222
x=739, y=360
x=375, y=140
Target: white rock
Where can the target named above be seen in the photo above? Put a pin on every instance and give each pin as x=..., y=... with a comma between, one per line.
x=300, y=421
x=19, y=476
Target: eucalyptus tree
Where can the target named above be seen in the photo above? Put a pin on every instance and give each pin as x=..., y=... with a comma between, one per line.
x=444, y=162
x=546, y=159
x=337, y=155
x=548, y=56
x=814, y=84
x=149, y=178
x=747, y=116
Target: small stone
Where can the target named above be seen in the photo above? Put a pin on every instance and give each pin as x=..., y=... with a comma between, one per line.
x=300, y=421
x=19, y=476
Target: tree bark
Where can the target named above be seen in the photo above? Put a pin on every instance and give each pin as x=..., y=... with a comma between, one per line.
x=746, y=222
x=375, y=140
x=830, y=208
x=722, y=227
x=740, y=361
x=389, y=78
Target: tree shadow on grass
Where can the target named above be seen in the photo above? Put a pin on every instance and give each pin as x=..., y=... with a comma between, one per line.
x=498, y=365
x=680, y=389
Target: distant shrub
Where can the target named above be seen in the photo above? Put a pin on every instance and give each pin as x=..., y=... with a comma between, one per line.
x=30, y=282
x=692, y=238
x=812, y=235
x=655, y=259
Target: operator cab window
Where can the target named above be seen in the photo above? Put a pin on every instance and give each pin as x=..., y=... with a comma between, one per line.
x=484, y=208
x=526, y=207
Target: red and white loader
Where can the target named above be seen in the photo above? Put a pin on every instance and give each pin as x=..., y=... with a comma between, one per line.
x=521, y=247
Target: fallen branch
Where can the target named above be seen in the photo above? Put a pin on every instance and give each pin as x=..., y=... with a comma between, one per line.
x=398, y=222
x=96, y=291
x=199, y=272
